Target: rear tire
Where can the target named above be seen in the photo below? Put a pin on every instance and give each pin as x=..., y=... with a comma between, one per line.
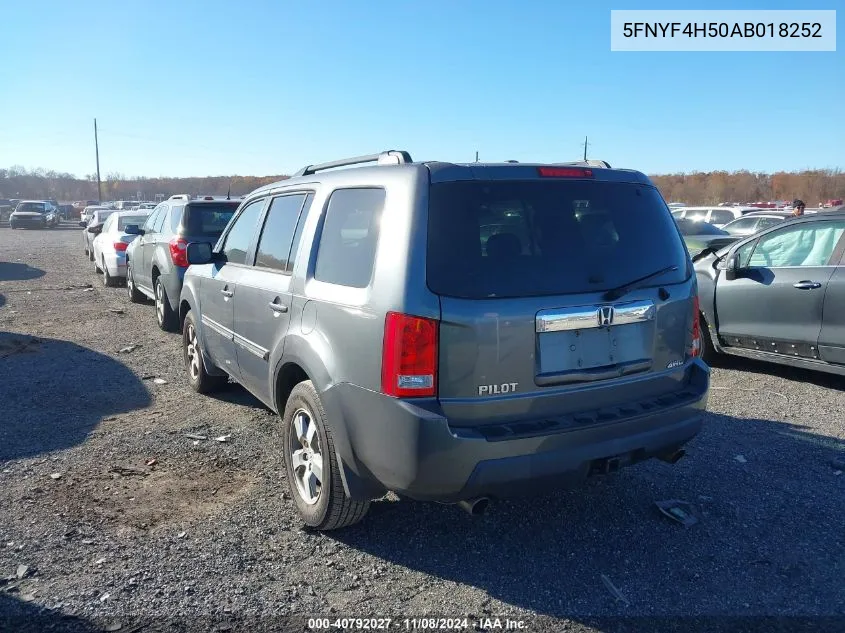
x=166, y=318
x=108, y=280
x=135, y=295
x=90, y=254
x=199, y=379
x=311, y=467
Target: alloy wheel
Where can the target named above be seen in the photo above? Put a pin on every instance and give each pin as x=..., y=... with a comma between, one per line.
x=306, y=456
x=192, y=351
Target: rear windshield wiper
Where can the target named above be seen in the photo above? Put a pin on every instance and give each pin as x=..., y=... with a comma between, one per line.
x=616, y=293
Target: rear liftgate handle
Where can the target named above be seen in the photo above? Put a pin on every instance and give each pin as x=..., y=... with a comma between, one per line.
x=807, y=285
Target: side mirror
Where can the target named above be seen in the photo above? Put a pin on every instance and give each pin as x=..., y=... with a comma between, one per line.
x=83, y=224
x=95, y=229
x=199, y=253
x=732, y=268
x=133, y=229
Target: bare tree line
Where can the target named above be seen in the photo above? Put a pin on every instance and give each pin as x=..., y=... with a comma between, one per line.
x=812, y=186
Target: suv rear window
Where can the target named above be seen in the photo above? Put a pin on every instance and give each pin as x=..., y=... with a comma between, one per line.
x=207, y=219
x=543, y=237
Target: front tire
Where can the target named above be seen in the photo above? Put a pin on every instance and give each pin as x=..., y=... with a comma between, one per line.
x=165, y=316
x=311, y=467
x=135, y=295
x=709, y=353
x=199, y=379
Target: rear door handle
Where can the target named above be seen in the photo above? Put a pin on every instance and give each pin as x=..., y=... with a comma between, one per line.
x=807, y=285
x=227, y=293
x=279, y=308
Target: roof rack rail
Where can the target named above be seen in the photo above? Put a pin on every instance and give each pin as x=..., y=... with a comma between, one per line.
x=589, y=163
x=388, y=157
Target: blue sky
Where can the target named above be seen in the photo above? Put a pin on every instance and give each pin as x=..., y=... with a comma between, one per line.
x=220, y=88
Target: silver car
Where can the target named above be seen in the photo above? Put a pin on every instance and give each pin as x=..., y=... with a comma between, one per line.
x=110, y=244
x=752, y=223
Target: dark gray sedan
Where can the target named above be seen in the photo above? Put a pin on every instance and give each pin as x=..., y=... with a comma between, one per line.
x=779, y=295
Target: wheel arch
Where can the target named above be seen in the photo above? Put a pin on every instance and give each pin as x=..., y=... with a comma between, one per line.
x=299, y=361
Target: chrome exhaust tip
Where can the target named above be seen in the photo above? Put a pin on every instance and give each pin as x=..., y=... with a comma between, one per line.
x=475, y=507
x=674, y=457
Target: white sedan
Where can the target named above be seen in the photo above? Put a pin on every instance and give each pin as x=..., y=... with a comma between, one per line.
x=110, y=245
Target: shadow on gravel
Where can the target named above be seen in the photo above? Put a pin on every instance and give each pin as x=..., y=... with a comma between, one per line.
x=820, y=379
x=2, y=299
x=769, y=539
x=25, y=617
x=53, y=393
x=13, y=271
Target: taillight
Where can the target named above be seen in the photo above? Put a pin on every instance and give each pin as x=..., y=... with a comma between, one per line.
x=120, y=246
x=178, y=252
x=695, y=348
x=564, y=172
x=409, y=356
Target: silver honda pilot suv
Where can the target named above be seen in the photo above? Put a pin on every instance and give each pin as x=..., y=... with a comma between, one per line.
x=451, y=332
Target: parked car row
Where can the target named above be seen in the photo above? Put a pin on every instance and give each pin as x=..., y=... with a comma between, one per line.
x=411, y=324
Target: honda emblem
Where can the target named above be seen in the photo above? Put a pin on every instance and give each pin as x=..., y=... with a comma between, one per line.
x=605, y=315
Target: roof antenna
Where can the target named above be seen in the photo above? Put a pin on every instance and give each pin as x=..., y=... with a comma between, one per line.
x=476, y=157
x=228, y=191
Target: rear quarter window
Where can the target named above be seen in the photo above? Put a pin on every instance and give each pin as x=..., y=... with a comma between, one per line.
x=545, y=237
x=346, y=253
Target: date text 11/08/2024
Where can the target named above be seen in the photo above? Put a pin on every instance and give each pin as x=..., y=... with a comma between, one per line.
x=416, y=624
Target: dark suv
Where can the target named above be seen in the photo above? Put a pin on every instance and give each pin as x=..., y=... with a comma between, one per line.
x=451, y=332
x=155, y=262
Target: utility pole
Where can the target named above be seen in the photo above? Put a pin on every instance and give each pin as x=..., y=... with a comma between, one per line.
x=585, y=149
x=97, y=150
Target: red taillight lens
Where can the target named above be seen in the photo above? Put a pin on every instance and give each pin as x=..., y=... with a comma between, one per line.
x=409, y=356
x=695, y=348
x=178, y=252
x=564, y=172
x=120, y=246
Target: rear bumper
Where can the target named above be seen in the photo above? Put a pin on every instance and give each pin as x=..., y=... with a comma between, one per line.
x=408, y=446
x=115, y=263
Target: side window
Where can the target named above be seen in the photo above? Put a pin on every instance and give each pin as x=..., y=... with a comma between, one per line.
x=240, y=234
x=744, y=253
x=159, y=223
x=176, y=217
x=765, y=223
x=297, y=237
x=274, y=245
x=150, y=223
x=348, y=240
x=108, y=224
x=809, y=244
x=720, y=216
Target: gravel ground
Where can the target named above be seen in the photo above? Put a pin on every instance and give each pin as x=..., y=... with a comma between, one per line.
x=114, y=519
